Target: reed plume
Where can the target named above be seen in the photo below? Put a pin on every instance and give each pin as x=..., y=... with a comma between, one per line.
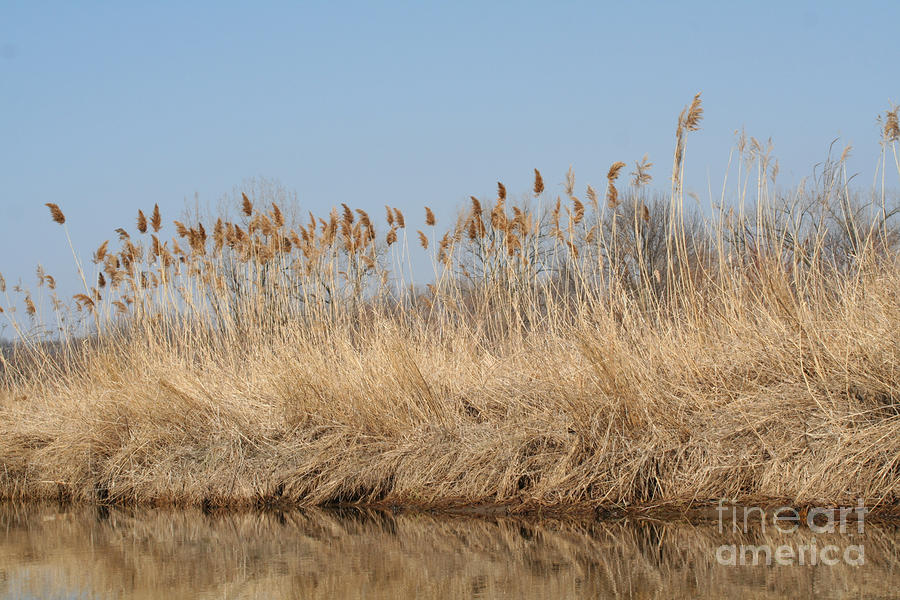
x=100, y=253
x=277, y=217
x=156, y=219
x=56, y=214
x=891, y=131
x=641, y=175
x=612, y=194
x=578, y=213
x=592, y=197
x=348, y=215
x=694, y=114
x=538, y=182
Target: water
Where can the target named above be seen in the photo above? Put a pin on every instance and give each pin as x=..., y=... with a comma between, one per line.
x=83, y=552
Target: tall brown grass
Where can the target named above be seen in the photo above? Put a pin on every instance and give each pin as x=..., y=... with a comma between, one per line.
x=567, y=352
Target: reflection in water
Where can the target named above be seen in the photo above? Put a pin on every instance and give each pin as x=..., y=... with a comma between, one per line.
x=75, y=552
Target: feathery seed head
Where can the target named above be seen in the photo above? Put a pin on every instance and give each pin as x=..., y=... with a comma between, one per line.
x=641, y=174
x=56, y=214
x=277, y=217
x=614, y=169
x=578, y=215
x=538, y=182
x=348, y=214
x=156, y=219
x=694, y=114
x=100, y=253
x=892, y=125
x=592, y=196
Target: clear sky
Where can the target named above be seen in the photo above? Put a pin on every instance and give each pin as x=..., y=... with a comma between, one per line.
x=110, y=107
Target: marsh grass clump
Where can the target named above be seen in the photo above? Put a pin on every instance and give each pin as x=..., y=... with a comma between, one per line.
x=583, y=349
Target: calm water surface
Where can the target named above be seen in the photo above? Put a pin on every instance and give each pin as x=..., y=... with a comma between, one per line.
x=79, y=552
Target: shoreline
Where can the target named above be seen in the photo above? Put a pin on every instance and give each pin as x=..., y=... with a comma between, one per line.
x=700, y=513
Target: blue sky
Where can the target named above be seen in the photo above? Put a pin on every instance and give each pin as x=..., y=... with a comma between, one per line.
x=110, y=107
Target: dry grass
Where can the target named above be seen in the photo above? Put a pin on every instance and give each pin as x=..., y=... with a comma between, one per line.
x=568, y=353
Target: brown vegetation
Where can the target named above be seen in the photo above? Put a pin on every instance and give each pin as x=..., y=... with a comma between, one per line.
x=569, y=352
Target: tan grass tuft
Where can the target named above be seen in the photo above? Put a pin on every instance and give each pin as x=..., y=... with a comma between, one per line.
x=891, y=130
x=56, y=214
x=578, y=213
x=277, y=216
x=614, y=169
x=156, y=219
x=100, y=253
x=592, y=196
x=612, y=194
x=538, y=182
x=181, y=229
x=348, y=217
x=694, y=114
x=641, y=175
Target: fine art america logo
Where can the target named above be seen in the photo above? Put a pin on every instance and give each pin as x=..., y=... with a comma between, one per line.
x=786, y=520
